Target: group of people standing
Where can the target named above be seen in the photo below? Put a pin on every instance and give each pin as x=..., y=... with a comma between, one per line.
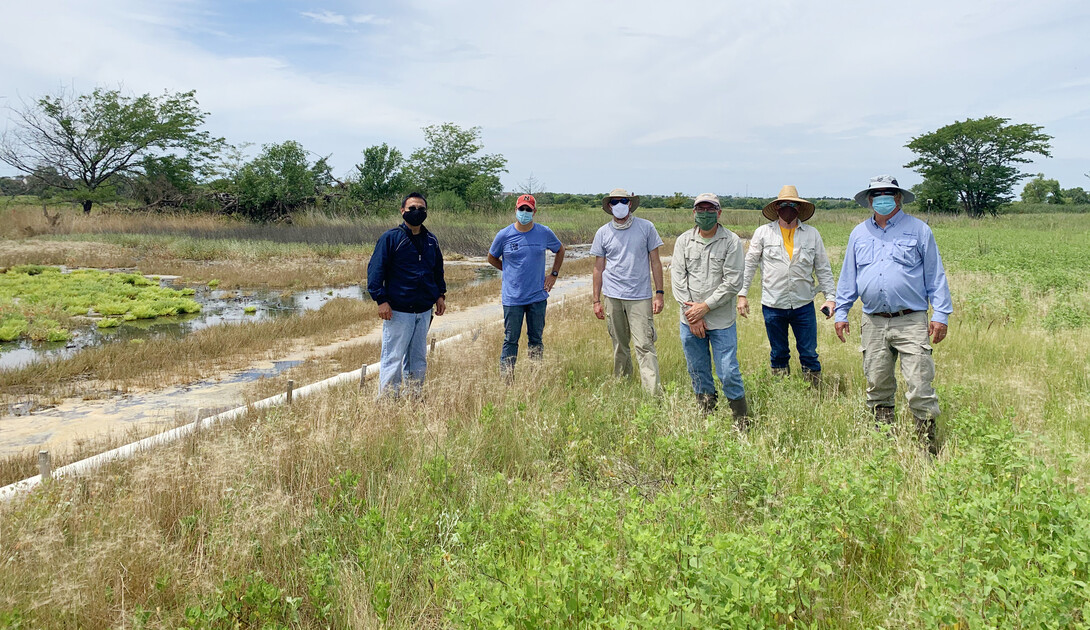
x=891, y=263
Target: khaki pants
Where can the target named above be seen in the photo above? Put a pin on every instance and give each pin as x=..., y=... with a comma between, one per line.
x=633, y=319
x=906, y=337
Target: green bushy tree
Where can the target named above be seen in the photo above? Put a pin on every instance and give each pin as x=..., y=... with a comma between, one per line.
x=1076, y=195
x=165, y=180
x=1041, y=190
x=452, y=162
x=943, y=199
x=381, y=176
x=976, y=158
x=279, y=180
x=678, y=200
x=91, y=141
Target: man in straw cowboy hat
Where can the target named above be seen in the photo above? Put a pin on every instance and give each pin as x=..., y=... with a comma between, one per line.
x=892, y=264
x=626, y=252
x=790, y=255
x=706, y=273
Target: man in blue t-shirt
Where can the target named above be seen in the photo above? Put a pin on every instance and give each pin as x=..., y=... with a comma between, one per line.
x=519, y=252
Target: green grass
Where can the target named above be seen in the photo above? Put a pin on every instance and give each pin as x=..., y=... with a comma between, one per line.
x=571, y=499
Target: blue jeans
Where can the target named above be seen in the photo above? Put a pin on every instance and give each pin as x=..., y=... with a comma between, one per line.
x=404, y=353
x=804, y=322
x=512, y=330
x=720, y=345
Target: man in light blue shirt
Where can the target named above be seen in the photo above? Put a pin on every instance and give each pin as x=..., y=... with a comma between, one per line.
x=519, y=252
x=892, y=264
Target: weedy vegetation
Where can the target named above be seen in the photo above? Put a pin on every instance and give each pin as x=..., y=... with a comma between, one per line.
x=569, y=498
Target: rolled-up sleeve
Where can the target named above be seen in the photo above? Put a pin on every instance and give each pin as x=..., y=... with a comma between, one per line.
x=824, y=271
x=934, y=278
x=677, y=271
x=753, y=260
x=847, y=291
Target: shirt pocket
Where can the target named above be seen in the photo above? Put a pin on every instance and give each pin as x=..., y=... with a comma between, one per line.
x=906, y=252
x=775, y=252
x=864, y=253
x=805, y=257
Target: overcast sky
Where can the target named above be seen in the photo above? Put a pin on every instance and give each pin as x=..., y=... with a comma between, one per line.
x=727, y=96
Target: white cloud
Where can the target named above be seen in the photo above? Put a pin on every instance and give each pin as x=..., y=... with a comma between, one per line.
x=369, y=19
x=581, y=92
x=326, y=17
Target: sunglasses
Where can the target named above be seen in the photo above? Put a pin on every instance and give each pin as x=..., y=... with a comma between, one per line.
x=614, y=202
x=882, y=193
x=526, y=208
x=416, y=208
x=787, y=204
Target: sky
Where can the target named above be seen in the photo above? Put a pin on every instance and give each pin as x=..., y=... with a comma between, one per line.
x=728, y=96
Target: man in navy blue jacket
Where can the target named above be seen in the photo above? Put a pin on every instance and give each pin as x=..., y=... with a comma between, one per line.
x=405, y=279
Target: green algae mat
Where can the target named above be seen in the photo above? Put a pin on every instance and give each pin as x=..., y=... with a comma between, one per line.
x=44, y=303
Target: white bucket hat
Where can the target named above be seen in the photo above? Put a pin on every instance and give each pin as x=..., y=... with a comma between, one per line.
x=879, y=183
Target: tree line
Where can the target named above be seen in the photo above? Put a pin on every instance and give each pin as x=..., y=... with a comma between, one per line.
x=106, y=145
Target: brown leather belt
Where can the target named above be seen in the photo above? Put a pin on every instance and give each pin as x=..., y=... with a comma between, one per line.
x=897, y=314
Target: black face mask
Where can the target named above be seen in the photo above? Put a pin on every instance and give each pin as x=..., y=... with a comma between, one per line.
x=415, y=217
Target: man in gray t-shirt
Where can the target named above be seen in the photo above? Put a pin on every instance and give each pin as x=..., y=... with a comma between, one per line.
x=626, y=252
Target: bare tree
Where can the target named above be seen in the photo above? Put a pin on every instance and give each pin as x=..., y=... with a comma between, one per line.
x=532, y=185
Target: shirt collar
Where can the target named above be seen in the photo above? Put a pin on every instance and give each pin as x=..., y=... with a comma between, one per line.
x=890, y=222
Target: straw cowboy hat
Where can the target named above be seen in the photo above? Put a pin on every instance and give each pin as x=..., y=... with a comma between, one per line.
x=789, y=193
x=882, y=182
x=621, y=193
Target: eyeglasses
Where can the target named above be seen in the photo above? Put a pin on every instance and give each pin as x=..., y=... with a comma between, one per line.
x=614, y=202
x=787, y=204
x=706, y=209
x=526, y=208
x=416, y=208
x=883, y=193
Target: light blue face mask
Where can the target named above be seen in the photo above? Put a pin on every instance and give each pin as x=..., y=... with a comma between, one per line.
x=884, y=205
x=524, y=217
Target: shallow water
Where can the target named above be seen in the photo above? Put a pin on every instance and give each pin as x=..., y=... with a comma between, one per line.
x=217, y=307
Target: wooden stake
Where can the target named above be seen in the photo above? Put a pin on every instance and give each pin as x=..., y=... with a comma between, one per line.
x=291, y=386
x=363, y=374
x=45, y=468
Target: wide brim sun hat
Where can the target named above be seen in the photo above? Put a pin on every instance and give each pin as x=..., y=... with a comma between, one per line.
x=789, y=193
x=621, y=193
x=883, y=182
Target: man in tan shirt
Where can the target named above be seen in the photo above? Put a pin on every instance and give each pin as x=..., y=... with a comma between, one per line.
x=706, y=274
x=790, y=254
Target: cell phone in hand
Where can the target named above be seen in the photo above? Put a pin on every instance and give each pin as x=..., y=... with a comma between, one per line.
x=825, y=311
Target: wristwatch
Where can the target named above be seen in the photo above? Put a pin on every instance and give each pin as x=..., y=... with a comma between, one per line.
x=555, y=274
x=660, y=292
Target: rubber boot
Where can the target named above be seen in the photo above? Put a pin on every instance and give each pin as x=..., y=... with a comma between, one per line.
x=925, y=433
x=783, y=372
x=740, y=409
x=707, y=402
x=812, y=378
x=884, y=418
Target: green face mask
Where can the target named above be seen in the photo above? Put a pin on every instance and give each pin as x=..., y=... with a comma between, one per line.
x=706, y=220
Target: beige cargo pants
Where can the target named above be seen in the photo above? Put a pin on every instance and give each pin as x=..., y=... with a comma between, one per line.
x=885, y=339
x=633, y=319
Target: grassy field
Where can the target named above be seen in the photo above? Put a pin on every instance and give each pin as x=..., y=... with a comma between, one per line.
x=571, y=499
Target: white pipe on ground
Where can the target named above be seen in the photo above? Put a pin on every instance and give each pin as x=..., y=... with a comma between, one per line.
x=124, y=452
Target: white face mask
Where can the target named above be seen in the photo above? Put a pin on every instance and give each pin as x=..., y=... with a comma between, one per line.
x=620, y=211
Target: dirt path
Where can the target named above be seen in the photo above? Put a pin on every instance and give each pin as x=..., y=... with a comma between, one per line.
x=59, y=427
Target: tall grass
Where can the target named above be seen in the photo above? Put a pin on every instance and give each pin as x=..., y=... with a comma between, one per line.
x=571, y=499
